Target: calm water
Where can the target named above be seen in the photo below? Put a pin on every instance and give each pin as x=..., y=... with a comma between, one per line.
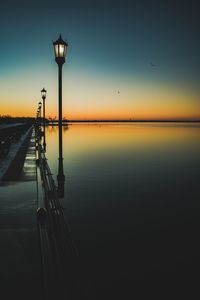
x=132, y=202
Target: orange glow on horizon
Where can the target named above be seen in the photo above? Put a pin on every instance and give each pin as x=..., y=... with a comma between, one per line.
x=132, y=111
x=108, y=115
x=98, y=100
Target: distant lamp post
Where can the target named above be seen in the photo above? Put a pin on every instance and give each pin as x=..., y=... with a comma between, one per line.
x=39, y=118
x=39, y=108
x=44, y=94
x=60, y=50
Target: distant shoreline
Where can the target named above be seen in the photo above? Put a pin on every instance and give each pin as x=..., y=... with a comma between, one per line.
x=127, y=121
x=10, y=120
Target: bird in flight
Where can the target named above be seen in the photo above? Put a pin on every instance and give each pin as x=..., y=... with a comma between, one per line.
x=152, y=64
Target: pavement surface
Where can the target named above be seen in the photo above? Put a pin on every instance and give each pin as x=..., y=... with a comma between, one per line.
x=20, y=268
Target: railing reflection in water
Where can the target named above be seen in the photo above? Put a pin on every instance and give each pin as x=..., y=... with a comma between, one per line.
x=58, y=253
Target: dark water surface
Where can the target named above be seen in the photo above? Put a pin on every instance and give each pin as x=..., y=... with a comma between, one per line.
x=133, y=204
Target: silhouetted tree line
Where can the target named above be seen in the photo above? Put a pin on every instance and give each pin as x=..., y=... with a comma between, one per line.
x=6, y=119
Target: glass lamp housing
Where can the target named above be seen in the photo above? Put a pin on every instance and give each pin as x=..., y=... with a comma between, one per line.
x=43, y=93
x=60, y=50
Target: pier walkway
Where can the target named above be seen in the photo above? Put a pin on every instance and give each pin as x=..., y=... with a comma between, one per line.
x=38, y=258
x=20, y=268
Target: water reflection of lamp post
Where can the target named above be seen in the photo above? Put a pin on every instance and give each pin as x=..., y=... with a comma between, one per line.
x=44, y=93
x=60, y=176
x=60, y=50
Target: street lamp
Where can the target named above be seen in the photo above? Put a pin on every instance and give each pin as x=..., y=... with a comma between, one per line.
x=39, y=118
x=39, y=108
x=60, y=50
x=43, y=93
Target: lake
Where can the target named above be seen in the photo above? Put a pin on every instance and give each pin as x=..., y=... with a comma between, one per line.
x=132, y=204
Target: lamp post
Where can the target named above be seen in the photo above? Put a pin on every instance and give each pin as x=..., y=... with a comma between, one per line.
x=39, y=117
x=39, y=108
x=60, y=50
x=43, y=93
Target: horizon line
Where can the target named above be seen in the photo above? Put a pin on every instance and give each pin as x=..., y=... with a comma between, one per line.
x=106, y=120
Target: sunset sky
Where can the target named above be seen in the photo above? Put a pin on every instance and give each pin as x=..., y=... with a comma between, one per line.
x=126, y=59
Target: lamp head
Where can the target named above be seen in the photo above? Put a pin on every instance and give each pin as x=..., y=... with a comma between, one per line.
x=60, y=50
x=43, y=93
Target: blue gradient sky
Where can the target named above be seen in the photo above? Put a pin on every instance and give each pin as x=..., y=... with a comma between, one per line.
x=111, y=47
